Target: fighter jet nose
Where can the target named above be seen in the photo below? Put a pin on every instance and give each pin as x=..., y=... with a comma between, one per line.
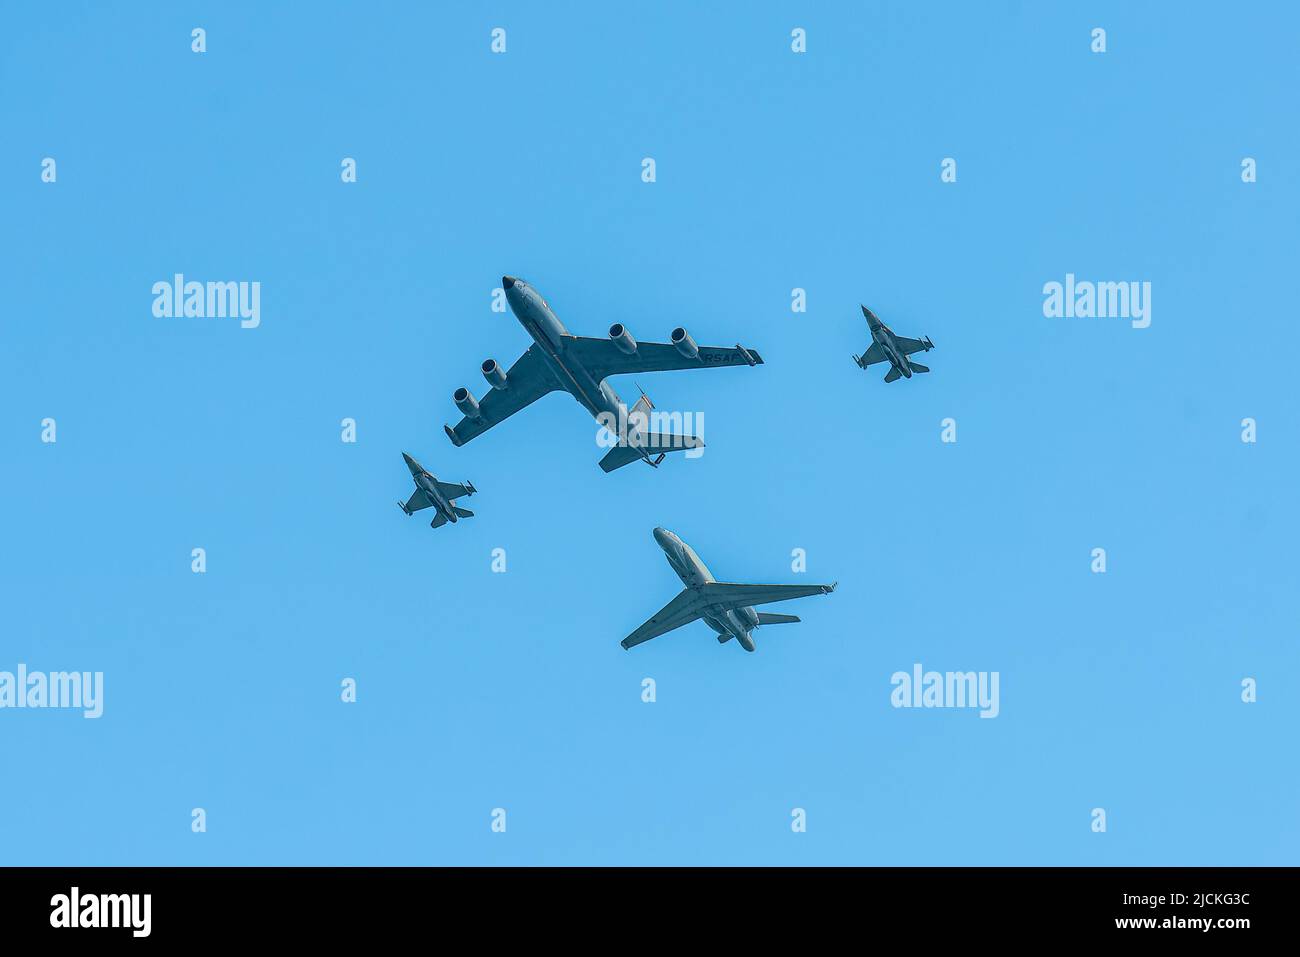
x=508, y=282
x=661, y=536
x=407, y=459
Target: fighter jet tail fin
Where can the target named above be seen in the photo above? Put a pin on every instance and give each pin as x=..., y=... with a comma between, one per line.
x=649, y=447
x=462, y=512
x=917, y=367
x=771, y=618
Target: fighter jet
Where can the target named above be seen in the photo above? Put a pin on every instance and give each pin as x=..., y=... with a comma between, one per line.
x=440, y=496
x=725, y=607
x=887, y=347
x=560, y=362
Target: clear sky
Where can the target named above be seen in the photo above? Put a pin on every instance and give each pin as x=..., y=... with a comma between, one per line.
x=775, y=170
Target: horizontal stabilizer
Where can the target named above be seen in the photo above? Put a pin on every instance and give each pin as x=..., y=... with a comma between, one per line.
x=462, y=512
x=648, y=447
x=917, y=367
x=892, y=374
x=770, y=618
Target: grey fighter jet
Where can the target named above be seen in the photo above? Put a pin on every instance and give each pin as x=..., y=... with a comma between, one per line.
x=725, y=607
x=440, y=496
x=887, y=347
x=560, y=362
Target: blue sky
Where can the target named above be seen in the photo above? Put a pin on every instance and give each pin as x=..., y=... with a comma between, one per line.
x=774, y=171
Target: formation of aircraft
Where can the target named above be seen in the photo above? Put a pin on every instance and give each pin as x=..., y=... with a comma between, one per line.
x=726, y=607
x=891, y=348
x=558, y=361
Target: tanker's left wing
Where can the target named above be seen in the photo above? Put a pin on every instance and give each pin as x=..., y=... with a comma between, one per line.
x=526, y=381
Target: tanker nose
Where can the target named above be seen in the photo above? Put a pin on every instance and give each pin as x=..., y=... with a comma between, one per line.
x=508, y=282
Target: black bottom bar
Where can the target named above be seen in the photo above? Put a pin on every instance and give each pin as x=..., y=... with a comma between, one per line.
x=540, y=905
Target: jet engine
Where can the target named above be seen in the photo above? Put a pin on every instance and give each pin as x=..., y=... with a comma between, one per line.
x=492, y=372
x=682, y=340
x=747, y=616
x=622, y=338
x=466, y=402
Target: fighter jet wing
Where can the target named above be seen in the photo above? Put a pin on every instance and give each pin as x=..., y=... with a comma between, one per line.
x=451, y=490
x=417, y=501
x=737, y=596
x=526, y=381
x=875, y=354
x=602, y=358
x=682, y=610
x=907, y=346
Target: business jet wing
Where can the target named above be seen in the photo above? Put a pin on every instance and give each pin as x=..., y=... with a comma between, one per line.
x=733, y=595
x=682, y=610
